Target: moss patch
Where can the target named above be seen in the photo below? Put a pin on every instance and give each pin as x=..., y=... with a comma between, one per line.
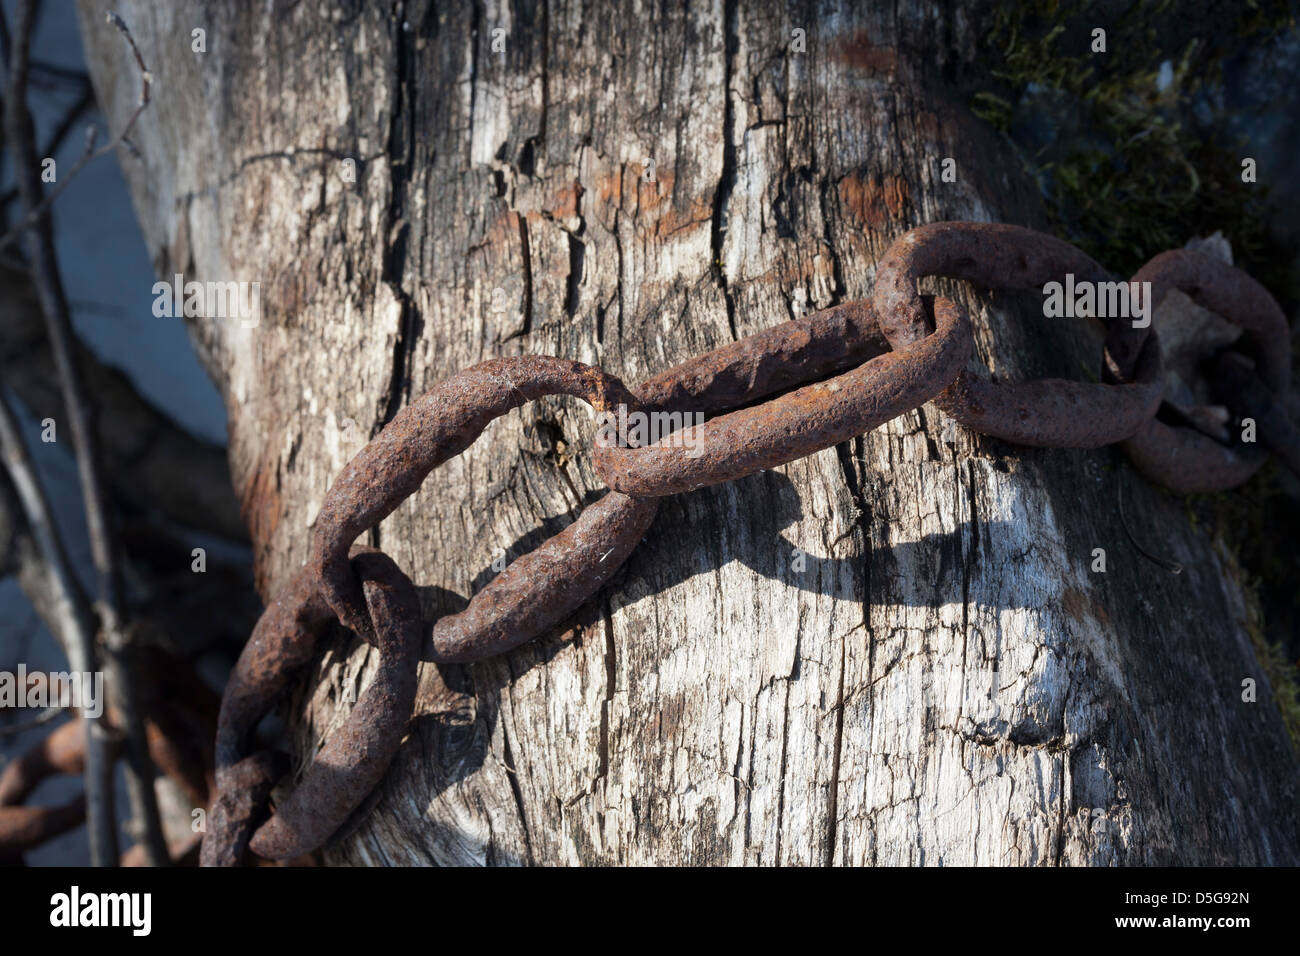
x=1123, y=144
x=1282, y=674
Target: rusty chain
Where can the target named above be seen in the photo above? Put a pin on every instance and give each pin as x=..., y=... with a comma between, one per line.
x=843, y=371
x=179, y=730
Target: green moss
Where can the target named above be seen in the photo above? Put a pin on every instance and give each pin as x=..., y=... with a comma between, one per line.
x=1254, y=528
x=1282, y=674
x=1124, y=168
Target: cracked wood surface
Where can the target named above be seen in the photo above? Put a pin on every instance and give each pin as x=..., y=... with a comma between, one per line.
x=944, y=681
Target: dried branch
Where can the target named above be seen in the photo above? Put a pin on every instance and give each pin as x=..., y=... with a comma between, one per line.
x=44, y=717
x=48, y=283
x=20, y=555
x=37, y=210
x=76, y=632
x=79, y=108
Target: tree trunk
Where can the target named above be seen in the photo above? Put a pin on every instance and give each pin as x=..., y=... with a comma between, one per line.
x=947, y=680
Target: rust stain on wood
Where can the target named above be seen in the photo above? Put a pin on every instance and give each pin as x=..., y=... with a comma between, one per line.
x=655, y=201
x=260, y=507
x=860, y=53
x=699, y=212
x=564, y=203
x=874, y=201
x=1080, y=606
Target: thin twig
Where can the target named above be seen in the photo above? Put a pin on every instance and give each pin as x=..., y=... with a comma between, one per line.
x=51, y=72
x=42, y=204
x=48, y=284
x=5, y=41
x=83, y=103
x=44, y=717
x=76, y=631
x=74, y=112
x=1173, y=567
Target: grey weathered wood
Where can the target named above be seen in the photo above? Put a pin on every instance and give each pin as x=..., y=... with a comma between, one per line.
x=945, y=682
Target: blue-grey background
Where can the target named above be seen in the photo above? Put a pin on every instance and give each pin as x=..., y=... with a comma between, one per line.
x=108, y=278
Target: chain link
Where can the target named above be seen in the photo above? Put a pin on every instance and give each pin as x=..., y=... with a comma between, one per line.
x=799, y=424
x=1048, y=413
x=25, y=828
x=886, y=357
x=1179, y=457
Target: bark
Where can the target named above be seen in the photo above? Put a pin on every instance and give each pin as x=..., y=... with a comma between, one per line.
x=946, y=682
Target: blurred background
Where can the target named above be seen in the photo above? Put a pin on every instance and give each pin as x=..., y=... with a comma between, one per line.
x=108, y=278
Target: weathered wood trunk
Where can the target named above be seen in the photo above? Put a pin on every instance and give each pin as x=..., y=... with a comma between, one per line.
x=946, y=681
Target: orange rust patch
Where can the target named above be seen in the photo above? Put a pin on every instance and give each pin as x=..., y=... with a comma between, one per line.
x=563, y=204
x=260, y=507
x=1079, y=606
x=503, y=230
x=610, y=189
x=653, y=201
x=698, y=213
x=874, y=201
x=860, y=53
x=652, y=195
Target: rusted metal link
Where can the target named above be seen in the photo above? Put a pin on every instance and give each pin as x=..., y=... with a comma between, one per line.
x=990, y=254
x=539, y=589
x=439, y=425
x=62, y=751
x=283, y=642
x=240, y=807
x=24, y=828
x=1234, y=380
x=1213, y=284
x=179, y=739
x=793, y=353
x=355, y=756
x=1181, y=458
x=353, y=759
x=1053, y=413
x=1188, y=462
x=798, y=424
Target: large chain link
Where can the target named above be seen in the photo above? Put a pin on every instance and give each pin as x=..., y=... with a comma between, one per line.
x=884, y=357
